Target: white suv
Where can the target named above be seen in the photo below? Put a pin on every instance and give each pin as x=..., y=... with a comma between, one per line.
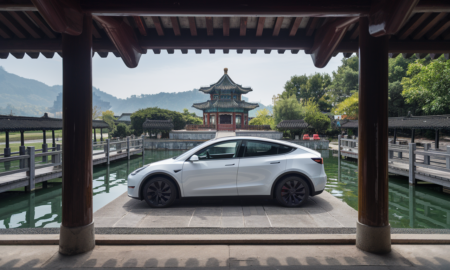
x=233, y=166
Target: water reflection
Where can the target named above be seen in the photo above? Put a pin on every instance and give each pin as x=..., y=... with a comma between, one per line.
x=421, y=206
x=42, y=208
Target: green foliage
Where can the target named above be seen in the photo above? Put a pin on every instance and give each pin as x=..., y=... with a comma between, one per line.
x=122, y=131
x=287, y=109
x=191, y=118
x=263, y=117
x=428, y=85
x=349, y=107
x=345, y=80
x=154, y=113
x=306, y=87
x=317, y=120
x=108, y=117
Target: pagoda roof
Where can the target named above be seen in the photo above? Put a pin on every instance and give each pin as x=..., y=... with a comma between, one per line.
x=225, y=103
x=225, y=85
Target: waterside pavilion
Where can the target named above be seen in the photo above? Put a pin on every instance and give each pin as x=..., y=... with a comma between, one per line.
x=226, y=105
x=75, y=30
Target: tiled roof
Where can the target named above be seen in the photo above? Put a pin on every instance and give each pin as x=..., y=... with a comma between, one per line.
x=225, y=103
x=416, y=122
x=158, y=124
x=124, y=117
x=26, y=123
x=292, y=124
x=225, y=85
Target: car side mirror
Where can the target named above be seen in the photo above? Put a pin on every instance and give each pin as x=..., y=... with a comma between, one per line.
x=194, y=158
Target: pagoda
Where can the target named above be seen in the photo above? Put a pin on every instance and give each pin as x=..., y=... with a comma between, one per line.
x=225, y=107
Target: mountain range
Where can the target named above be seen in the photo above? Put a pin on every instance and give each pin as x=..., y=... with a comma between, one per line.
x=28, y=97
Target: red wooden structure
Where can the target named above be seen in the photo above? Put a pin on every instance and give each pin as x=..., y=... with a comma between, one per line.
x=75, y=29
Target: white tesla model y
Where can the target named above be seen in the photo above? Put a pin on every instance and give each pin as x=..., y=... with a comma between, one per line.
x=233, y=166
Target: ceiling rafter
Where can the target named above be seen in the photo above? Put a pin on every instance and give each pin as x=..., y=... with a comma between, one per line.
x=226, y=27
x=35, y=17
x=243, y=26
x=428, y=24
x=18, y=55
x=311, y=26
x=175, y=26
x=140, y=25
x=192, y=26
x=7, y=22
x=295, y=26
x=4, y=55
x=158, y=25
x=355, y=31
x=277, y=26
x=412, y=25
x=48, y=55
x=439, y=28
x=95, y=32
x=260, y=26
x=33, y=55
x=25, y=22
x=4, y=32
x=281, y=51
x=209, y=26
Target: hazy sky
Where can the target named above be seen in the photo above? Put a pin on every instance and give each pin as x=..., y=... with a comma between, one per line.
x=265, y=73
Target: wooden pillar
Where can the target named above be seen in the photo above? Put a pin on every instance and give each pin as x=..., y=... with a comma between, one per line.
x=77, y=228
x=373, y=229
x=101, y=134
x=413, y=133
x=53, y=138
x=44, y=145
x=7, y=151
x=22, y=149
x=395, y=136
x=95, y=136
x=436, y=139
x=233, y=121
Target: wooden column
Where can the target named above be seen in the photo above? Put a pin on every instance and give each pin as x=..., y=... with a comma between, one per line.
x=7, y=151
x=413, y=133
x=95, y=136
x=233, y=121
x=101, y=134
x=395, y=136
x=77, y=229
x=44, y=145
x=373, y=229
x=53, y=139
x=436, y=139
x=22, y=149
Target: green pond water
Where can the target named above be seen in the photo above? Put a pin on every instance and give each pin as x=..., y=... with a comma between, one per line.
x=423, y=206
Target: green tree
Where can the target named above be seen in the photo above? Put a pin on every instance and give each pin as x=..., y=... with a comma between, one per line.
x=296, y=86
x=263, y=117
x=191, y=118
x=108, y=117
x=345, y=80
x=317, y=85
x=122, y=131
x=287, y=109
x=154, y=113
x=349, y=107
x=319, y=122
x=428, y=85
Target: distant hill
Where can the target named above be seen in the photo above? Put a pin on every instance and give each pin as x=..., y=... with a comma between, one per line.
x=32, y=98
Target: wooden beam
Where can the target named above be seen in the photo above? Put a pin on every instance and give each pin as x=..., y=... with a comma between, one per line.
x=428, y=24
x=407, y=55
x=157, y=51
x=243, y=26
x=95, y=32
x=294, y=51
x=435, y=55
x=4, y=33
x=18, y=55
x=4, y=55
x=281, y=51
x=226, y=51
x=421, y=55
x=226, y=26
x=198, y=51
x=35, y=17
x=62, y=16
x=260, y=26
x=175, y=26
x=267, y=51
x=8, y=23
x=33, y=55
x=209, y=26
x=294, y=26
x=140, y=25
x=192, y=26
x=311, y=26
x=439, y=28
x=48, y=54
x=158, y=26
x=355, y=31
x=277, y=26
x=328, y=38
x=25, y=22
x=184, y=51
x=253, y=51
x=412, y=25
x=124, y=39
x=212, y=51
x=103, y=54
x=386, y=17
x=347, y=55
x=170, y=51
x=393, y=55
x=239, y=51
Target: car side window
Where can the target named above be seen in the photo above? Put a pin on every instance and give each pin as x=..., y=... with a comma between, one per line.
x=221, y=150
x=283, y=149
x=259, y=148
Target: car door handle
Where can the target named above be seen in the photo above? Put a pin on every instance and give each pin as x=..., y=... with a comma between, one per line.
x=229, y=164
x=275, y=162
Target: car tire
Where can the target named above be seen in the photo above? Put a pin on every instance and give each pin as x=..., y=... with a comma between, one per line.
x=159, y=192
x=292, y=191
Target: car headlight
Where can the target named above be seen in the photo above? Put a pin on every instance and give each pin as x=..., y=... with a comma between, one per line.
x=138, y=170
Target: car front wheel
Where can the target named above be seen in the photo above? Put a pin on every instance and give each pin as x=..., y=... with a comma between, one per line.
x=159, y=192
x=292, y=191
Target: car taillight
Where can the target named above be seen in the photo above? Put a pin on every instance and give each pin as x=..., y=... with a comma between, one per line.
x=318, y=160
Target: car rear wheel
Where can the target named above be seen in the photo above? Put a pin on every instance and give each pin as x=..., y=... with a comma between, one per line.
x=159, y=192
x=292, y=191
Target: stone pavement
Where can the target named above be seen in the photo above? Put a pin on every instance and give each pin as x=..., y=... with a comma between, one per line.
x=228, y=257
x=321, y=211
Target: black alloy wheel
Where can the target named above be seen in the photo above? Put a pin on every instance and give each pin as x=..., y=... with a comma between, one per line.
x=159, y=192
x=292, y=191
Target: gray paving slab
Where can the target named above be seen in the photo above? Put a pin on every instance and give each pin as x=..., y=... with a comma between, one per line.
x=255, y=216
x=232, y=217
x=105, y=221
x=289, y=217
x=206, y=217
x=163, y=218
x=131, y=219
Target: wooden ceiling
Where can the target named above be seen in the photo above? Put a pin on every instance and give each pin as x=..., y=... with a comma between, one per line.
x=200, y=26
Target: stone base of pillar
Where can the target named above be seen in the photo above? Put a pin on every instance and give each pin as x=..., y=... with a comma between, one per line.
x=76, y=240
x=373, y=239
